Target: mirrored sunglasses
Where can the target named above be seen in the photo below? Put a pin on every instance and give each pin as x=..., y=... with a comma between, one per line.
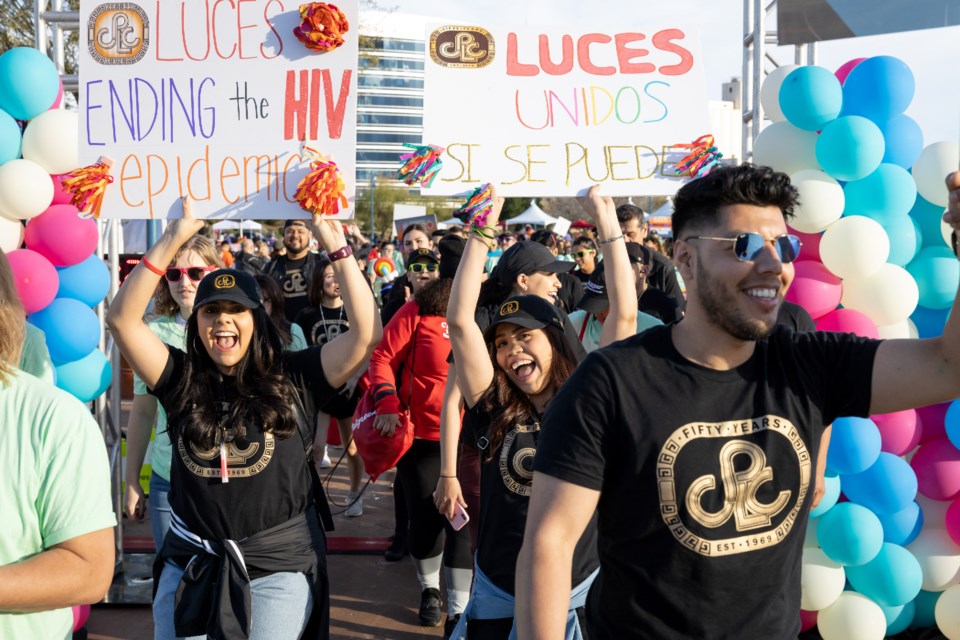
x=174, y=274
x=748, y=246
x=420, y=267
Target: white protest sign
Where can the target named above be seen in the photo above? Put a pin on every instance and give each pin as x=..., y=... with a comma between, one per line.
x=549, y=111
x=562, y=226
x=404, y=211
x=212, y=99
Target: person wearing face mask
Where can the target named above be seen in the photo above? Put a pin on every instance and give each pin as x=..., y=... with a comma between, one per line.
x=172, y=303
x=294, y=270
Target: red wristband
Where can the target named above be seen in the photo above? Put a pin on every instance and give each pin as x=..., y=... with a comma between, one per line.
x=343, y=252
x=157, y=270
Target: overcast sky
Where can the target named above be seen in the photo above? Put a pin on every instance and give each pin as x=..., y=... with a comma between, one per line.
x=931, y=53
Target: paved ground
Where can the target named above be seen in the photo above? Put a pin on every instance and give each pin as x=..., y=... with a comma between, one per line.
x=371, y=598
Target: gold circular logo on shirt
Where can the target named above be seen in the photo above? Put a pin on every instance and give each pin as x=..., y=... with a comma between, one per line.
x=225, y=281
x=509, y=307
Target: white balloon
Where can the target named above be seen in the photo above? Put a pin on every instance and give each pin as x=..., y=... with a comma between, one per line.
x=852, y=617
x=939, y=559
x=770, y=92
x=947, y=613
x=887, y=297
x=821, y=201
x=821, y=580
x=11, y=234
x=26, y=190
x=930, y=170
x=934, y=512
x=898, y=331
x=786, y=148
x=947, y=231
x=854, y=247
x=50, y=140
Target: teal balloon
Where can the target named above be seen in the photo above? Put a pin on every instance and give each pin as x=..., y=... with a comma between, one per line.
x=831, y=493
x=885, y=195
x=905, y=240
x=902, y=527
x=850, y=534
x=854, y=445
x=893, y=578
x=937, y=272
x=888, y=486
x=878, y=88
x=903, y=140
x=86, y=378
x=72, y=329
x=924, y=605
x=11, y=138
x=810, y=97
x=88, y=281
x=850, y=148
x=899, y=618
x=928, y=216
x=930, y=322
x=29, y=83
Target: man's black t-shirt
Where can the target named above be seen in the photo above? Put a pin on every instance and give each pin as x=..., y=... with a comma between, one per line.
x=795, y=317
x=663, y=276
x=571, y=290
x=322, y=324
x=269, y=479
x=295, y=287
x=705, y=477
x=505, y=483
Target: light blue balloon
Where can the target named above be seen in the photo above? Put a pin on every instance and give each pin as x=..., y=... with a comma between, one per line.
x=72, y=329
x=930, y=322
x=29, y=82
x=11, y=138
x=831, y=493
x=878, y=88
x=928, y=216
x=854, y=445
x=888, y=486
x=850, y=148
x=905, y=240
x=904, y=526
x=893, y=578
x=952, y=423
x=924, y=605
x=87, y=377
x=898, y=618
x=903, y=140
x=810, y=97
x=885, y=195
x=937, y=272
x=850, y=534
x=88, y=281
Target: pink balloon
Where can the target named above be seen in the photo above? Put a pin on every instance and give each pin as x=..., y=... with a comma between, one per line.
x=934, y=420
x=35, y=278
x=848, y=321
x=937, y=465
x=808, y=620
x=59, y=100
x=81, y=614
x=62, y=236
x=59, y=195
x=953, y=521
x=899, y=432
x=846, y=68
x=814, y=288
x=811, y=245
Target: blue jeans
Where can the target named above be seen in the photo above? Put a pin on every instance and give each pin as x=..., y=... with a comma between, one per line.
x=159, y=509
x=280, y=605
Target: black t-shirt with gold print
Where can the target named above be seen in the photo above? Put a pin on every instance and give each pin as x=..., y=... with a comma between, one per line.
x=269, y=481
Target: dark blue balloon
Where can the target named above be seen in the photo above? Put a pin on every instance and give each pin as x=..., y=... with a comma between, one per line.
x=72, y=329
x=87, y=282
x=904, y=526
x=878, y=88
x=888, y=486
x=930, y=322
x=854, y=445
x=903, y=140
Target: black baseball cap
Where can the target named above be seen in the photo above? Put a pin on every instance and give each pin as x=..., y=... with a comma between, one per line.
x=530, y=312
x=639, y=254
x=231, y=285
x=594, y=299
x=296, y=223
x=528, y=257
x=419, y=254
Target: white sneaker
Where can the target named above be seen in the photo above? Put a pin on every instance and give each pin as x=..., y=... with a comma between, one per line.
x=325, y=463
x=356, y=507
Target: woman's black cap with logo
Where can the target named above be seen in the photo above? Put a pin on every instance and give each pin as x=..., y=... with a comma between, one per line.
x=229, y=285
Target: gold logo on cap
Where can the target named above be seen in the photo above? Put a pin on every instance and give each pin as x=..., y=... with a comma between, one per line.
x=509, y=307
x=225, y=281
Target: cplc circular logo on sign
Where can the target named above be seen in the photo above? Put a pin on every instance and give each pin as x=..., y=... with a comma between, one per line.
x=461, y=47
x=118, y=33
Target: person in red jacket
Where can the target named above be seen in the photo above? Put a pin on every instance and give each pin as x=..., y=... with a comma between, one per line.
x=408, y=371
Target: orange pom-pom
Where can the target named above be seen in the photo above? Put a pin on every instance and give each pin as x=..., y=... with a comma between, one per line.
x=321, y=190
x=323, y=26
x=87, y=186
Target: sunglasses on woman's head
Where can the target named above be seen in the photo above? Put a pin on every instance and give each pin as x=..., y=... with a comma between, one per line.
x=174, y=274
x=419, y=267
x=748, y=246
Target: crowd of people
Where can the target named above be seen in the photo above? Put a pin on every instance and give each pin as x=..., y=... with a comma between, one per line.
x=609, y=441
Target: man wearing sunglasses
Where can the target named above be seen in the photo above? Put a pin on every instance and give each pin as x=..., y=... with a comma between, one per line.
x=697, y=442
x=294, y=271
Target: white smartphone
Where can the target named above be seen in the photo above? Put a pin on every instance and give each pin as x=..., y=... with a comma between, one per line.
x=460, y=518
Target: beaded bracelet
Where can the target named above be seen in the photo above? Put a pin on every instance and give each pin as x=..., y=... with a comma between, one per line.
x=609, y=240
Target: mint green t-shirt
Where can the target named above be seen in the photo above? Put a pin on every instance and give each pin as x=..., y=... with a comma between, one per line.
x=591, y=337
x=54, y=485
x=35, y=357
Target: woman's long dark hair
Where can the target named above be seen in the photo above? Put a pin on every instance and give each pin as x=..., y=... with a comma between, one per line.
x=265, y=397
x=433, y=298
x=507, y=404
x=493, y=292
x=274, y=294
